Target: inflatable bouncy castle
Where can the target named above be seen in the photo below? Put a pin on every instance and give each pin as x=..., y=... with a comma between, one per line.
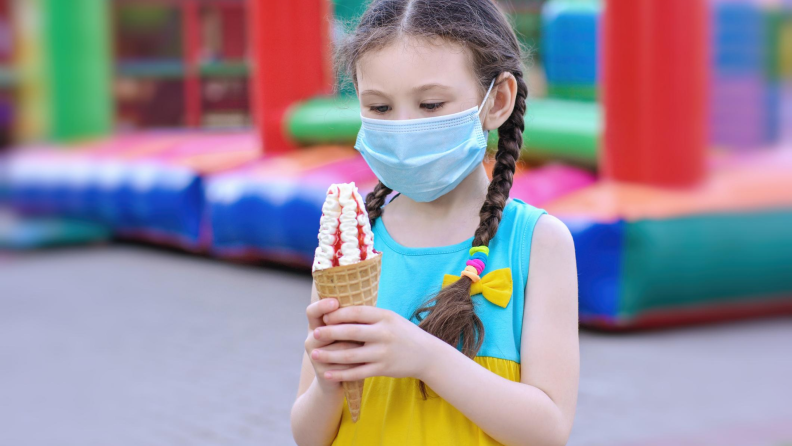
x=668, y=155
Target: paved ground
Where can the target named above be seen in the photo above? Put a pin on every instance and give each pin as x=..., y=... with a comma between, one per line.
x=128, y=345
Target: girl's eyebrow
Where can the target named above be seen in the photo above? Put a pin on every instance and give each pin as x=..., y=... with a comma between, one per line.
x=431, y=86
x=371, y=91
x=374, y=92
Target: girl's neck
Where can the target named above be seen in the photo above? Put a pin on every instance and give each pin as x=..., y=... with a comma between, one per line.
x=450, y=219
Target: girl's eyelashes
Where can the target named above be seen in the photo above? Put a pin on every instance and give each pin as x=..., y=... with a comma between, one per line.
x=432, y=106
x=429, y=106
x=380, y=109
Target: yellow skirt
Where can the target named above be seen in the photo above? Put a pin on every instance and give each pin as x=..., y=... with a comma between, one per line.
x=394, y=413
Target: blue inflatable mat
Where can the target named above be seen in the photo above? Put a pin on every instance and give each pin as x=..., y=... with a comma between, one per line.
x=275, y=216
x=598, y=249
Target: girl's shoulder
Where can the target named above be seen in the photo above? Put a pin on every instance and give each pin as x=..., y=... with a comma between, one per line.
x=523, y=209
x=520, y=218
x=546, y=241
x=516, y=234
x=537, y=223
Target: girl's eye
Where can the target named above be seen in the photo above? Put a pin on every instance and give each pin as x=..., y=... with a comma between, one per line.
x=434, y=106
x=380, y=109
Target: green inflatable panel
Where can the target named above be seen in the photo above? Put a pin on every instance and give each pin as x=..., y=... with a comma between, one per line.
x=559, y=129
x=773, y=37
x=78, y=41
x=349, y=11
x=574, y=92
x=37, y=233
x=554, y=129
x=324, y=120
x=702, y=260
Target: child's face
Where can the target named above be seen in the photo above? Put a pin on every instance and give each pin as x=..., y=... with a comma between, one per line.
x=412, y=78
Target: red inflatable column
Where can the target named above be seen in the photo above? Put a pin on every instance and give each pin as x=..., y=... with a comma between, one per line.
x=233, y=25
x=191, y=47
x=655, y=84
x=290, y=43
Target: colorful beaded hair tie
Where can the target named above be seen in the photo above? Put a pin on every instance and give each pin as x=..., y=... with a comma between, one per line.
x=478, y=261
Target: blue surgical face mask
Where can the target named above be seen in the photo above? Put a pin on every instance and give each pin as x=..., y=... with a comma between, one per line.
x=424, y=158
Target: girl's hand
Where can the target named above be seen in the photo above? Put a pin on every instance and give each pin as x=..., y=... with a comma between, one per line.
x=393, y=346
x=315, y=311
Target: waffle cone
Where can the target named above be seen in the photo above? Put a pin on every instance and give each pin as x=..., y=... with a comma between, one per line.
x=355, y=284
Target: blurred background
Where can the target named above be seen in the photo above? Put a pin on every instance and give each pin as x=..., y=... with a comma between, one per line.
x=162, y=169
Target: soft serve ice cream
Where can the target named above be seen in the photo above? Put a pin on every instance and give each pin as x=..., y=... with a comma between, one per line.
x=345, y=235
x=346, y=267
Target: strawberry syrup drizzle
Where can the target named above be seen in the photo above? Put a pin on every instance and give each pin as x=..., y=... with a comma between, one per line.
x=361, y=234
x=337, y=245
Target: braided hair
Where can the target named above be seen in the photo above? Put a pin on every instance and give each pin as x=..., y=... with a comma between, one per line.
x=483, y=29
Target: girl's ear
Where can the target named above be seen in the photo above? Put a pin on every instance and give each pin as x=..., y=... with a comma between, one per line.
x=500, y=104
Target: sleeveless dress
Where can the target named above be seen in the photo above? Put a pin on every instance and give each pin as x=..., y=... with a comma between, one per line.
x=393, y=411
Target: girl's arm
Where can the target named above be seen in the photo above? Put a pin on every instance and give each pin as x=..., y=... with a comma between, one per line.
x=316, y=414
x=540, y=409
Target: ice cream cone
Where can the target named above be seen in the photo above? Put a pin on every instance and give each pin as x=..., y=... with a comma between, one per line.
x=355, y=284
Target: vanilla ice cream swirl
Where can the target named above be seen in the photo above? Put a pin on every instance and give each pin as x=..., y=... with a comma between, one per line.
x=350, y=243
x=363, y=222
x=328, y=227
x=344, y=219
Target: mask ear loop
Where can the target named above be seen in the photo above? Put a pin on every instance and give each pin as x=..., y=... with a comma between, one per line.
x=486, y=96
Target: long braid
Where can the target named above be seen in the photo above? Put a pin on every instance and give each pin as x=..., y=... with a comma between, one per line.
x=375, y=199
x=451, y=313
x=510, y=138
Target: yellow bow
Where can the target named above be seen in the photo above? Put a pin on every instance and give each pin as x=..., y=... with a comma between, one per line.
x=496, y=286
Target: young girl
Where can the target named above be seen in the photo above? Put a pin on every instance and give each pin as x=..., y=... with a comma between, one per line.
x=474, y=339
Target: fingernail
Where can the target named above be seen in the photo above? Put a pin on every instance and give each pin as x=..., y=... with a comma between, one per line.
x=328, y=375
x=315, y=354
x=317, y=332
x=324, y=318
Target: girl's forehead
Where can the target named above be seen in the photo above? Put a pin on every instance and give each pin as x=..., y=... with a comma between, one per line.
x=407, y=63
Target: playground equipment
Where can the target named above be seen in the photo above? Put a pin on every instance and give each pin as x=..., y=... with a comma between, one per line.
x=301, y=47
x=749, y=48
x=652, y=256
x=146, y=186
x=64, y=98
x=744, y=102
x=671, y=232
x=711, y=246
x=48, y=232
x=785, y=71
x=570, y=46
x=174, y=57
x=650, y=136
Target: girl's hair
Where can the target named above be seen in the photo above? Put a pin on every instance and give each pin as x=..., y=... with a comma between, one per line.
x=483, y=29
